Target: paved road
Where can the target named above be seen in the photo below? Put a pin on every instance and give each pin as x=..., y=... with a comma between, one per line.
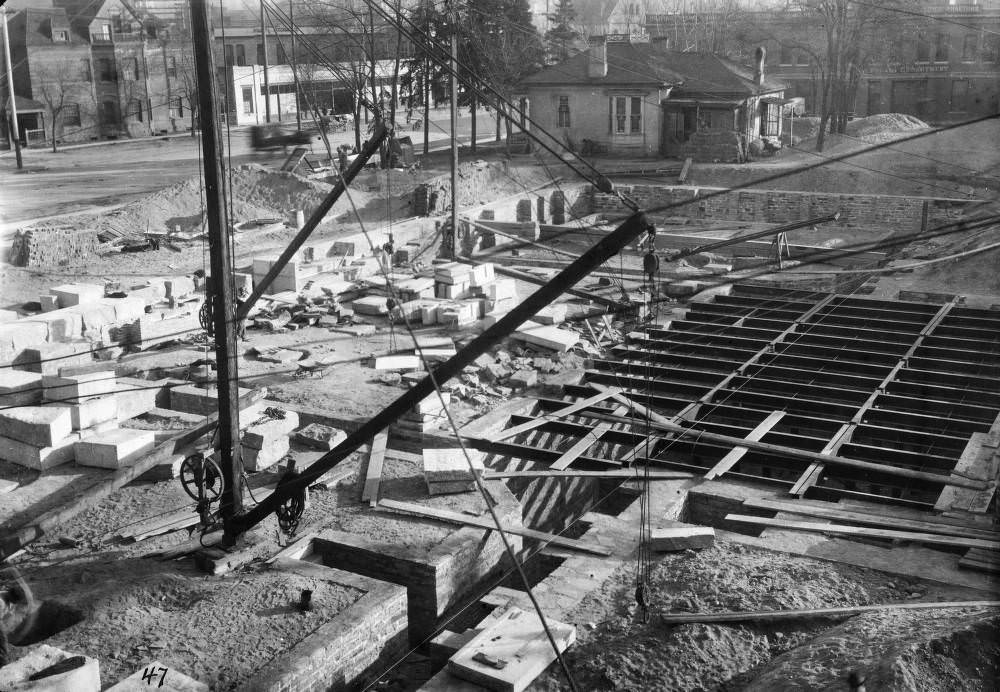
x=90, y=178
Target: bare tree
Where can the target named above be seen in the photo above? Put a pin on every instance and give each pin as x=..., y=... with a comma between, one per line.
x=63, y=86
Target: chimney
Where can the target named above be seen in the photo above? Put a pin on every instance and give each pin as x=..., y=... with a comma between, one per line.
x=758, y=69
x=597, y=57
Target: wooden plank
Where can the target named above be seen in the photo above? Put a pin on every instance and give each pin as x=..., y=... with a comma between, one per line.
x=555, y=415
x=772, y=615
x=373, y=476
x=585, y=443
x=518, y=638
x=888, y=519
x=685, y=171
x=812, y=474
x=298, y=549
x=977, y=460
x=839, y=529
x=736, y=453
x=661, y=423
x=635, y=473
x=467, y=520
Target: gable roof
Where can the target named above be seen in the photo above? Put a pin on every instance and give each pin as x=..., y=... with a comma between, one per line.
x=645, y=64
x=39, y=23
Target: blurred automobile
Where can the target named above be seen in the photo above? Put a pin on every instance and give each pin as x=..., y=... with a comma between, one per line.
x=276, y=136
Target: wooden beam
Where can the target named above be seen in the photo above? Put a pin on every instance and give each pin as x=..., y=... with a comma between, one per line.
x=839, y=529
x=91, y=496
x=373, y=476
x=635, y=473
x=661, y=423
x=586, y=442
x=839, y=513
x=467, y=520
x=977, y=458
x=736, y=453
x=812, y=474
x=772, y=615
x=545, y=418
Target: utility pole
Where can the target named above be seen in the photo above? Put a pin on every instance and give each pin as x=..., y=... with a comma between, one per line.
x=452, y=242
x=298, y=95
x=221, y=285
x=12, y=107
x=263, y=52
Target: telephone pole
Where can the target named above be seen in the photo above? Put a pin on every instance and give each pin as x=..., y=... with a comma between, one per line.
x=11, y=100
x=263, y=55
x=451, y=242
x=219, y=290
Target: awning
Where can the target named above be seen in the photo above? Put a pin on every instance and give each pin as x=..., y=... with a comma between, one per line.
x=23, y=104
x=779, y=100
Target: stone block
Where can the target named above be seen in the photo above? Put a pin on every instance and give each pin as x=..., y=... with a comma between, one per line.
x=681, y=538
x=38, y=458
x=41, y=426
x=91, y=412
x=259, y=433
x=450, y=465
x=483, y=274
x=17, y=675
x=522, y=379
x=69, y=295
x=23, y=334
x=191, y=399
x=371, y=305
x=19, y=387
x=47, y=359
x=77, y=388
x=502, y=289
x=49, y=302
x=158, y=676
x=8, y=316
x=320, y=436
x=549, y=337
x=114, y=449
x=551, y=314
x=398, y=363
x=179, y=286
x=273, y=451
x=432, y=403
x=60, y=325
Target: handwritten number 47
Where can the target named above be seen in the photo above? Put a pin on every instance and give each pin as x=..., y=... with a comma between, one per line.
x=149, y=675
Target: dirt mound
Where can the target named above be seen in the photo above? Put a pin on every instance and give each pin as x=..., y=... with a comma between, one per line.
x=884, y=127
x=922, y=651
x=623, y=653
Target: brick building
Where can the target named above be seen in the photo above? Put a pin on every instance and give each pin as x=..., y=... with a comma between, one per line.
x=99, y=70
x=936, y=59
x=630, y=97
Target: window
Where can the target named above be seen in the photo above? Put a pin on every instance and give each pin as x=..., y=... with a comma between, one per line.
x=969, y=46
x=131, y=68
x=626, y=115
x=109, y=112
x=941, y=48
x=247, y=100
x=60, y=35
x=959, y=94
x=85, y=75
x=177, y=106
x=105, y=70
x=992, y=51
x=923, y=48
x=241, y=55
x=635, y=120
x=134, y=110
x=171, y=65
x=229, y=56
x=874, y=97
x=619, y=114
x=785, y=56
x=71, y=115
x=562, y=116
x=770, y=119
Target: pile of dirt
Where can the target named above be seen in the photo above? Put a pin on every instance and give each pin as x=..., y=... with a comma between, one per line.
x=884, y=127
x=624, y=653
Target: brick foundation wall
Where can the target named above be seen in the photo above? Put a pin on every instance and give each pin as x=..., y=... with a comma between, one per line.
x=345, y=653
x=876, y=212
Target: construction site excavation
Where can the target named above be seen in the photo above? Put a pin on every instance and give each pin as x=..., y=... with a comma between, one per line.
x=456, y=400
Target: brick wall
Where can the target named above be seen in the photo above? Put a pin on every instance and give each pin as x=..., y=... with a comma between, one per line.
x=876, y=212
x=348, y=651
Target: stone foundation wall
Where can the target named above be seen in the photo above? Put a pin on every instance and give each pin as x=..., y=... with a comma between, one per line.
x=711, y=145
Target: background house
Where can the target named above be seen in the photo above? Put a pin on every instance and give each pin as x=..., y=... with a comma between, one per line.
x=630, y=97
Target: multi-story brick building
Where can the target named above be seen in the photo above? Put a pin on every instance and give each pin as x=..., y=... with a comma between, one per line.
x=936, y=59
x=98, y=70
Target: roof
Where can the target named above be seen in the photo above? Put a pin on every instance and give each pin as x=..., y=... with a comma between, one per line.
x=38, y=25
x=646, y=64
x=24, y=105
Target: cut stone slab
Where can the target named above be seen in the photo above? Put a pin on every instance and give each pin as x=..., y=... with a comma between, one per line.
x=426, y=341
x=398, y=363
x=522, y=379
x=91, y=412
x=449, y=465
x=15, y=675
x=76, y=388
x=19, y=387
x=41, y=426
x=320, y=436
x=69, y=295
x=49, y=359
x=432, y=403
x=281, y=355
x=158, y=676
x=260, y=433
x=114, y=449
x=682, y=538
x=38, y=458
x=438, y=355
x=136, y=396
x=549, y=337
x=517, y=638
x=191, y=399
x=371, y=305
x=551, y=314
x=273, y=451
